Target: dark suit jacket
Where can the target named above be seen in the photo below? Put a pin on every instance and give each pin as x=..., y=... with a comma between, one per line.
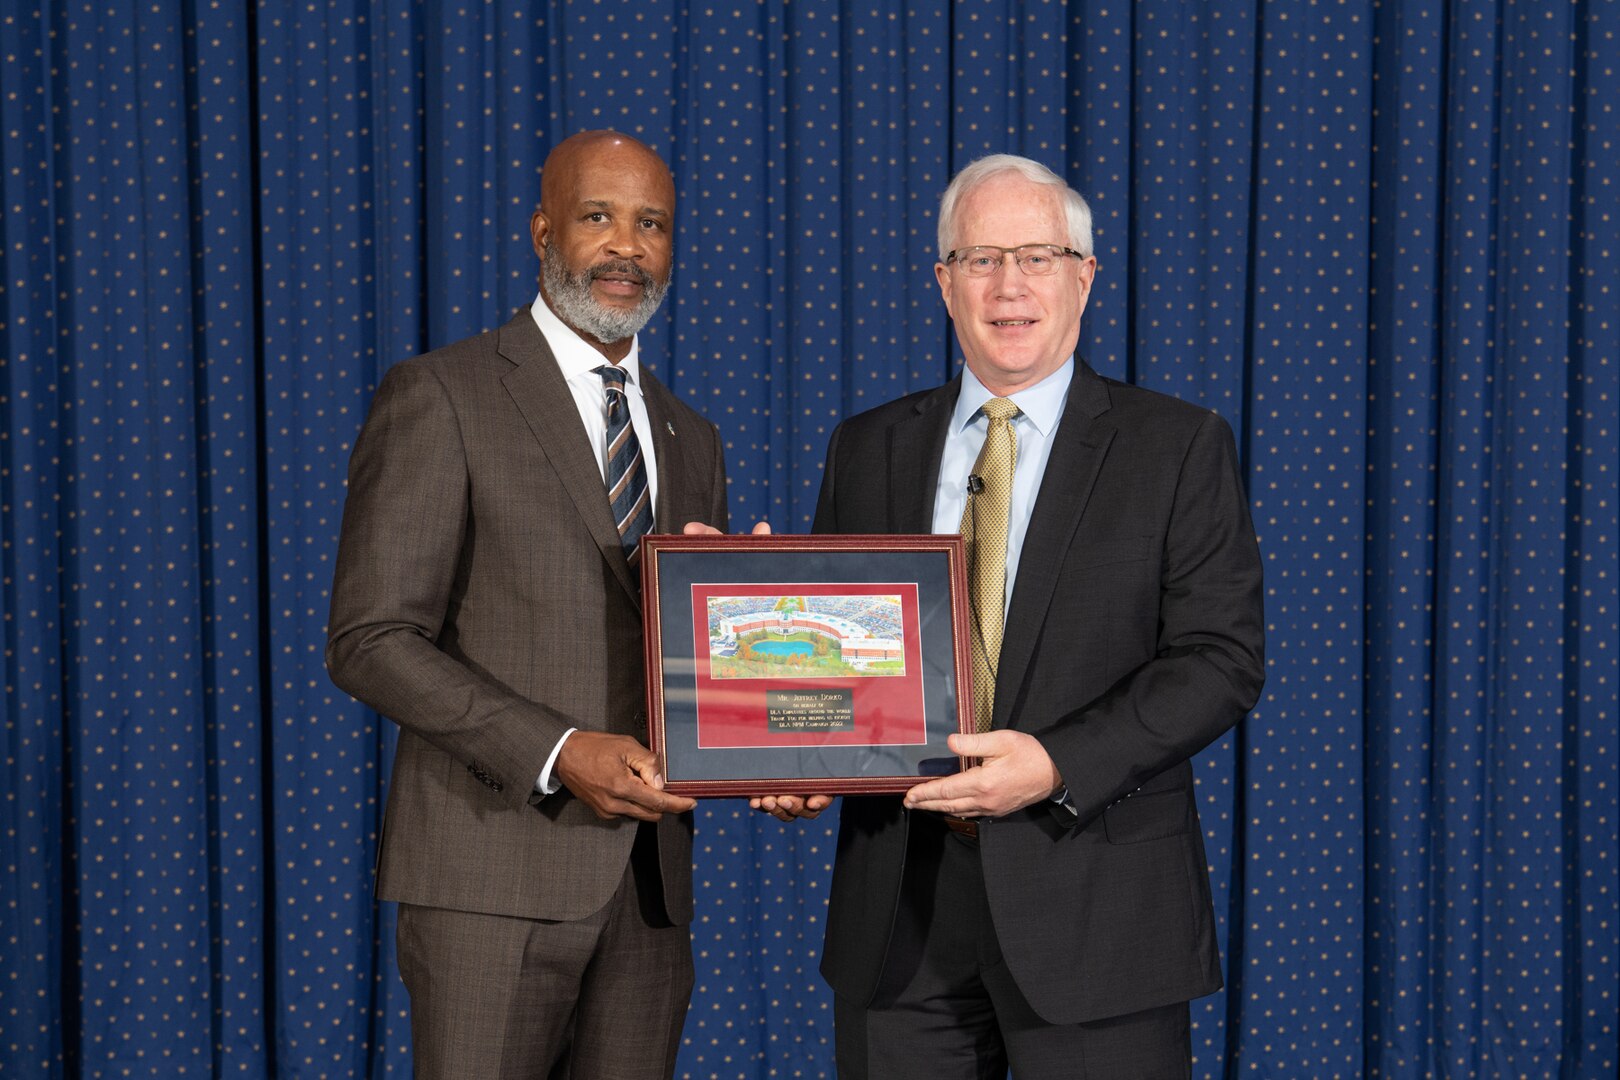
x=483, y=602
x=1134, y=639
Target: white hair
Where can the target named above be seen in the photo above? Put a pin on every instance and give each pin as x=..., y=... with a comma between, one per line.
x=1075, y=209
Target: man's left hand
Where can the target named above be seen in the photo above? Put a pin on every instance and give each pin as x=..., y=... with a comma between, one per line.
x=1015, y=772
x=697, y=528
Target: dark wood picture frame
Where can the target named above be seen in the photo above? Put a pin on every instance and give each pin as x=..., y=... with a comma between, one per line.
x=866, y=674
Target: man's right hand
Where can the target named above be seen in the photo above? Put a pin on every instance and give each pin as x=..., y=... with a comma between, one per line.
x=616, y=777
x=791, y=807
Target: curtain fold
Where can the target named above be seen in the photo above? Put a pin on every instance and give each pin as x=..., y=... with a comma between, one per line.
x=1376, y=237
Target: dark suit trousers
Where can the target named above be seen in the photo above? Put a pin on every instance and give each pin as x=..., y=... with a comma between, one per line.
x=948, y=1008
x=526, y=999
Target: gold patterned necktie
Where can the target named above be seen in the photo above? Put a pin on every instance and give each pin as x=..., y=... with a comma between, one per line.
x=984, y=527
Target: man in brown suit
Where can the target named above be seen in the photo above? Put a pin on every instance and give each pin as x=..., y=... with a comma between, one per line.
x=487, y=599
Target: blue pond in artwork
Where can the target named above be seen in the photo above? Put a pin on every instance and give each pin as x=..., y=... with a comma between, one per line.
x=784, y=648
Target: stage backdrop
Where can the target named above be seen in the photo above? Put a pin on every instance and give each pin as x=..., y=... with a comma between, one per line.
x=1379, y=238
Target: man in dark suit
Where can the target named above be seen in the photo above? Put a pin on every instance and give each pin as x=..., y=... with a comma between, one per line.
x=487, y=599
x=1048, y=907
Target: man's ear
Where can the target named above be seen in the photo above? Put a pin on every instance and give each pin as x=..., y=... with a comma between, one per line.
x=539, y=228
x=1086, y=277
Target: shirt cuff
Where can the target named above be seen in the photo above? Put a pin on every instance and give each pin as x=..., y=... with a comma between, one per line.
x=546, y=785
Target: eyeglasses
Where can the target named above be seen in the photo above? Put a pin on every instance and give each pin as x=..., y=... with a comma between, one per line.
x=1035, y=260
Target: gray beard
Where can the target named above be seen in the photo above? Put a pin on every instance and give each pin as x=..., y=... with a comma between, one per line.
x=571, y=299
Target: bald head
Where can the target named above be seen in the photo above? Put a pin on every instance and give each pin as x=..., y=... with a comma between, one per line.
x=560, y=175
x=604, y=234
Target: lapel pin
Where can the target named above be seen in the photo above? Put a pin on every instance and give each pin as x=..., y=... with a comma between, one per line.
x=669, y=427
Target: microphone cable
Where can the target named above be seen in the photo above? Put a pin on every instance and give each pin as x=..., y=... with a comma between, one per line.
x=975, y=488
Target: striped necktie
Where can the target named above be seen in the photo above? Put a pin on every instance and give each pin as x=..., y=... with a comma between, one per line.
x=626, y=473
x=984, y=526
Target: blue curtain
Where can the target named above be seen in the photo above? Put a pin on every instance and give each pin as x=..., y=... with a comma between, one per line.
x=1379, y=237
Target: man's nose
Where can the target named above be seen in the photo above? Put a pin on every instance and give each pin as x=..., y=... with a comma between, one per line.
x=625, y=242
x=1010, y=279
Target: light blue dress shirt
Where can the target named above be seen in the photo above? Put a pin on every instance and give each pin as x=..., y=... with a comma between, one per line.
x=1040, y=411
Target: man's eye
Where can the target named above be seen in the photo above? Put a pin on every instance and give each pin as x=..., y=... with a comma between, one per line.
x=651, y=223
x=1037, y=261
x=596, y=216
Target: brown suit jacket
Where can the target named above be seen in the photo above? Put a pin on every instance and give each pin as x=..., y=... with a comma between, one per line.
x=482, y=601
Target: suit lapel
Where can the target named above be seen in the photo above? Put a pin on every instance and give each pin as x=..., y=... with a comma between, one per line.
x=915, y=446
x=667, y=449
x=1071, y=472
x=541, y=394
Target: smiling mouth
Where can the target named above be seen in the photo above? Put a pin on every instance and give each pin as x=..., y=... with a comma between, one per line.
x=620, y=276
x=1012, y=322
x=620, y=284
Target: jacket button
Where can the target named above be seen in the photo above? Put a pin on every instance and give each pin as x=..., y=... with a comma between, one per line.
x=484, y=778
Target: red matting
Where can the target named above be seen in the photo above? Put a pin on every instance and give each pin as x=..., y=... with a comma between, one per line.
x=888, y=708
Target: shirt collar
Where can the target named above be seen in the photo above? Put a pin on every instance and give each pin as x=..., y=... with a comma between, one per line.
x=1041, y=404
x=576, y=356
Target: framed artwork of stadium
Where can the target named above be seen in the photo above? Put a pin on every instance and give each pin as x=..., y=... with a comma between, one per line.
x=784, y=665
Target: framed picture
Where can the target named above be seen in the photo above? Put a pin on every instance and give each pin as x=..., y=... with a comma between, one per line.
x=804, y=664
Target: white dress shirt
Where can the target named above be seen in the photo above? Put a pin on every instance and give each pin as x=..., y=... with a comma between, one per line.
x=578, y=360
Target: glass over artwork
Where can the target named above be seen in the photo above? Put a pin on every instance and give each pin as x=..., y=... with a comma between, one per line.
x=820, y=637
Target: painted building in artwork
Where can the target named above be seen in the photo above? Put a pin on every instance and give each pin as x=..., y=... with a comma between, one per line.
x=858, y=647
